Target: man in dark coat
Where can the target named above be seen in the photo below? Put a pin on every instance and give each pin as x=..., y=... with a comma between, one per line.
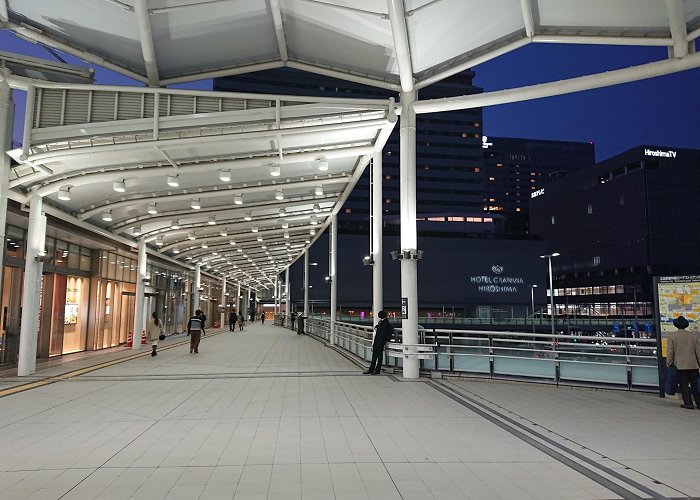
x=195, y=329
x=382, y=335
x=232, y=317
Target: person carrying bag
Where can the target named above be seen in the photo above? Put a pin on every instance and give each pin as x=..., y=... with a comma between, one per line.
x=683, y=351
x=155, y=333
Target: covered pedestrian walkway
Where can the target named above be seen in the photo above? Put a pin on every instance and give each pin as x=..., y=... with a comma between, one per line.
x=265, y=413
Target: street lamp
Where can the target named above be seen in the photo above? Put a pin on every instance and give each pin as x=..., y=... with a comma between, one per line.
x=532, y=298
x=551, y=283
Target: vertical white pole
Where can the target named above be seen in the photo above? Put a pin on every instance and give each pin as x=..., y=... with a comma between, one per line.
x=238, y=298
x=197, y=284
x=6, y=121
x=287, y=310
x=376, y=235
x=222, y=315
x=306, y=283
x=409, y=233
x=31, y=299
x=139, y=310
x=277, y=289
x=551, y=292
x=333, y=276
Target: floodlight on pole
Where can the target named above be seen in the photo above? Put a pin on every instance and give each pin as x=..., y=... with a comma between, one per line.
x=551, y=283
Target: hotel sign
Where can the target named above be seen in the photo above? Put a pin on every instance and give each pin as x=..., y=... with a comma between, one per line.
x=497, y=283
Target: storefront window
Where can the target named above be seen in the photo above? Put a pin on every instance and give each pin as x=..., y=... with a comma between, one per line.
x=61, y=254
x=14, y=242
x=73, y=256
x=85, y=259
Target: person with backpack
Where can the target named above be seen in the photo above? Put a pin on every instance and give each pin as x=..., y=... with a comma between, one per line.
x=195, y=329
x=384, y=332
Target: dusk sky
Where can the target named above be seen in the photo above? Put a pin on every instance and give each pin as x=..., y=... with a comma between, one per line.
x=663, y=111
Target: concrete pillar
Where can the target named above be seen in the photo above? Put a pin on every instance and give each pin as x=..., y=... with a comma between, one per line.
x=139, y=312
x=276, y=294
x=222, y=315
x=377, y=255
x=409, y=233
x=31, y=293
x=332, y=275
x=7, y=109
x=306, y=283
x=238, y=298
x=197, y=284
x=287, y=295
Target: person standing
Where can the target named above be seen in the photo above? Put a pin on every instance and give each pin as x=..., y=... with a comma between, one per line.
x=155, y=330
x=683, y=350
x=232, y=320
x=293, y=318
x=241, y=322
x=384, y=332
x=203, y=319
x=262, y=318
x=195, y=329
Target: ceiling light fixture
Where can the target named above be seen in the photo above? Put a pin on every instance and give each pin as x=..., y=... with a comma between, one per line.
x=260, y=238
x=175, y=224
x=152, y=209
x=159, y=241
x=279, y=196
x=195, y=205
x=322, y=163
x=223, y=232
x=212, y=221
x=137, y=231
x=225, y=175
x=191, y=236
x=248, y=216
x=286, y=234
x=316, y=208
x=254, y=229
x=107, y=216
x=318, y=190
x=237, y=199
x=204, y=244
x=176, y=250
x=282, y=212
x=119, y=186
x=285, y=225
x=312, y=231
x=64, y=194
x=173, y=181
x=274, y=171
x=232, y=242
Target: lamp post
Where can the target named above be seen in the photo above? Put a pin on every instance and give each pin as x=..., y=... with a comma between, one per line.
x=532, y=298
x=551, y=283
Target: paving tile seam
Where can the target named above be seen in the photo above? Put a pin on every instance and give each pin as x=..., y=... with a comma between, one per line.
x=204, y=376
x=562, y=454
x=601, y=456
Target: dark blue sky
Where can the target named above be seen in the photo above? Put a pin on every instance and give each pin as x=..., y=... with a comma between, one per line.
x=663, y=111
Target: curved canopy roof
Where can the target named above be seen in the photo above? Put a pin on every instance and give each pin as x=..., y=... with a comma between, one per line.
x=387, y=43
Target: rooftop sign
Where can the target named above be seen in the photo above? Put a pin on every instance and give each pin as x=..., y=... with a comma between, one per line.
x=660, y=153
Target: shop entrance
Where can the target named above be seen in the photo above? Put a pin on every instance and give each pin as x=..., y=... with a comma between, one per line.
x=11, y=314
x=126, y=318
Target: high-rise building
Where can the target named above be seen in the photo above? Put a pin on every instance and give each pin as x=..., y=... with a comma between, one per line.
x=448, y=148
x=517, y=169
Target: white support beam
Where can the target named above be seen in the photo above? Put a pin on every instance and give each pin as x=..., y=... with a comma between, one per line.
x=4, y=14
x=147, y=48
x=579, y=84
x=236, y=70
x=139, y=310
x=342, y=75
x=528, y=18
x=694, y=34
x=676, y=22
x=397, y=18
x=604, y=40
x=276, y=10
x=38, y=37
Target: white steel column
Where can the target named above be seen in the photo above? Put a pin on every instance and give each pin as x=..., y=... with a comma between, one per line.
x=139, y=310
x=377, y=256
x=31, y=298
x=306, y=282
x=287, y=297
x=6, y=121
x=332, y=276
x=409, y=233
x=238, y=298
x=197, y=284
x=277, y=289
x=222, y=315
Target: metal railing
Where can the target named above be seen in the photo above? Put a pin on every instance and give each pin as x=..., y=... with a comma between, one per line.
x=618, y=362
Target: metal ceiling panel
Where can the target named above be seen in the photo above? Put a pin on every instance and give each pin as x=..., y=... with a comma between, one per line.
x=100, y=27
x=447, y=29
x=197, y=39
x=341, y=38
x=636, y=15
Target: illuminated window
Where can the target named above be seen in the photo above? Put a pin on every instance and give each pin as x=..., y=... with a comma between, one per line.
x=517, y=209
x=533, y=173
x=387, y=200
x=455, y=219
x=477, y=124
x=477, y=170
x=387, y=177
x=436, y=219
x=499, y=164
x=488, y=219
x=465, y=135
x=492, y=179
x=475, y=219
x=532, y=180
x=348, y=210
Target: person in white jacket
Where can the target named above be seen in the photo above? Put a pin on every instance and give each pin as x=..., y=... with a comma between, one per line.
x=154, y=330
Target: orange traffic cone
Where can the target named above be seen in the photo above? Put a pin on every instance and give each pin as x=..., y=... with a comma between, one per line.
x=130, y=340
x=143, y=337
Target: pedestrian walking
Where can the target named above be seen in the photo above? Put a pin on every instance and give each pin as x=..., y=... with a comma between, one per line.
x=262, y=318
x=232, y=316
x=241, y=322
x=155, y=332
x=383, y=334
x=195, y=329
x=683, y=351
x=292, y=319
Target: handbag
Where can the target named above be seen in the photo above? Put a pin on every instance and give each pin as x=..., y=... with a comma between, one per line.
x=671, y=380
x=161, y=336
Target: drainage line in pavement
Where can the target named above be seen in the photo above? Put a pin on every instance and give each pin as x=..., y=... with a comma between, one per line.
x=508, y=425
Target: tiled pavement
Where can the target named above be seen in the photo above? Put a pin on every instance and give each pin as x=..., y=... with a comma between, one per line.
x=267, y=414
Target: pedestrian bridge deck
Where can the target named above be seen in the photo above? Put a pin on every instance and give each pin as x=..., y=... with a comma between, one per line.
x=267, y=414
